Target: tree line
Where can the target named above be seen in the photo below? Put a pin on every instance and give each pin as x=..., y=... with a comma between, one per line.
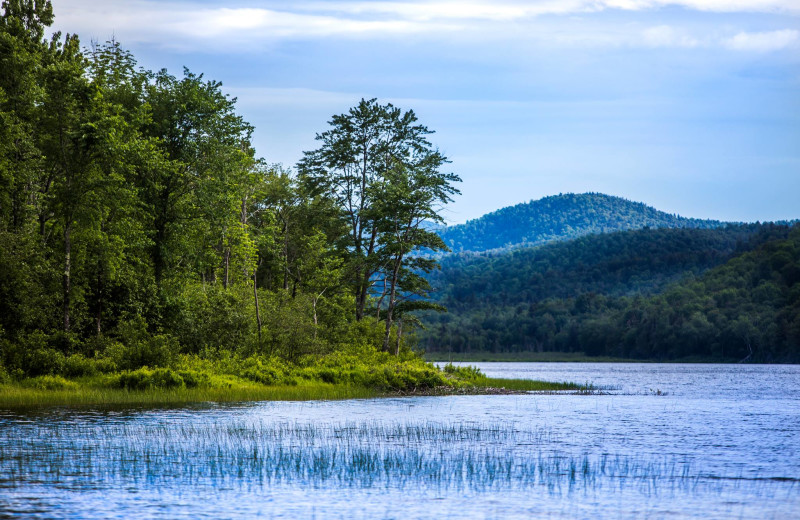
x=727, y=294
x=136, y=219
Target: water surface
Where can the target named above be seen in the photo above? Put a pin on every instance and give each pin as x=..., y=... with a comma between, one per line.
x=680, y=441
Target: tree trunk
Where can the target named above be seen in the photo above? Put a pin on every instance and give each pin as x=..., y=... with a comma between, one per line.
x=67, y=271
x=399, y=337
x=99, y=313
x=227, y=267
x=392, y=302
x=255, y=297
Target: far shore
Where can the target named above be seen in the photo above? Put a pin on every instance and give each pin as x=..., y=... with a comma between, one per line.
x=549, y=357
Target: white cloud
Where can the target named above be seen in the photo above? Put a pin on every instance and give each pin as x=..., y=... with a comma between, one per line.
x=763, y=41
x=667, y=36
x=193, y=26
x=506, y=11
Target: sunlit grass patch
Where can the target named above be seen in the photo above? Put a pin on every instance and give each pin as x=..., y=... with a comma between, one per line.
x=15, y=396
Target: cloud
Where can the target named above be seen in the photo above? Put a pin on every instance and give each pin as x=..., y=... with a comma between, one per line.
x=508, y=11
x=762, y=41
x=193, y=26
x=667, y=36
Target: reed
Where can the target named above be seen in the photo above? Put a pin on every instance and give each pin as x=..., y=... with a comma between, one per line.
x=460, y=456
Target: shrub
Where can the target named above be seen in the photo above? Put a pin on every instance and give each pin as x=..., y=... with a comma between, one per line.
x=49, y=383
x=45, y=361
x=467, y=374
x=145, y=378
x=77, y=365
x=268, y=371
x=195, y=379
x=138, y=348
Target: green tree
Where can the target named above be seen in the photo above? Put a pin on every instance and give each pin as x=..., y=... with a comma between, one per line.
x=352, y=166
x=412, y=194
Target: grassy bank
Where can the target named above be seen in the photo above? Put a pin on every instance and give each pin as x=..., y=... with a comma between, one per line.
x=197, y=381
x=21, y=396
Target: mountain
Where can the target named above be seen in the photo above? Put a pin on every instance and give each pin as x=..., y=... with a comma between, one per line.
x=560, y=217
x=725, y=293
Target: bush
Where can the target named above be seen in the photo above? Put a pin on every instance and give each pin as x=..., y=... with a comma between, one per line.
x=46, y=361
x=145, y=378
x=77, y=365
x=195, y=379
x=49, y=383
x=268, y=371
x=5, y=377
x=465, y=374
x=138, y=348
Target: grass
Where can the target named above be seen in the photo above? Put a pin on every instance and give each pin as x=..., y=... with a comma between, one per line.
x=16, y=396
x=364, y=454
x=91, y=394
x=194, y=379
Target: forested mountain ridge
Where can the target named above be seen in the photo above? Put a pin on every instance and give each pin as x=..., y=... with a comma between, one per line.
x=616, y=264
x=599, y=295
x=560, y=217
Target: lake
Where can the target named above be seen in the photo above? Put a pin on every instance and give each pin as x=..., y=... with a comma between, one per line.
x=657, y=440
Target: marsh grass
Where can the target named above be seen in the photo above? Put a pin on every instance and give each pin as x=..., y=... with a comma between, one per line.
x=442, y=455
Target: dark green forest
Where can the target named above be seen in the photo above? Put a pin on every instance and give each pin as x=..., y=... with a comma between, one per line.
x=560, y=217
x=730, y=294
x=139, y=228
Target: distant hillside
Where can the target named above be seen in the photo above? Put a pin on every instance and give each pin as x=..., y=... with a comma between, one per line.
x=560, y=217
x=648, y=294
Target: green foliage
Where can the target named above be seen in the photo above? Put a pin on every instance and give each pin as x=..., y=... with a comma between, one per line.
x=49, y=382
x=464, y=373
x=145, y=378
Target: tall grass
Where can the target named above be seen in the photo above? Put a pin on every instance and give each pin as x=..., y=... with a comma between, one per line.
x=365, y=454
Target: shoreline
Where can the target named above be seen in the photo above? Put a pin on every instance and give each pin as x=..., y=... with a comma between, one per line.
x=17, y=396
x=555, y=357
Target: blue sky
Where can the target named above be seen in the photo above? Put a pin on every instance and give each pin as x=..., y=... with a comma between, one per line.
x=692, y=106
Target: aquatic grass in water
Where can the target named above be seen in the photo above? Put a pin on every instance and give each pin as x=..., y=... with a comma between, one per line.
x=444, y=455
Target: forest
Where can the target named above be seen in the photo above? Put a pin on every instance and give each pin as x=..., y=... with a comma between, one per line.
x=141, y=234
x=725, y=294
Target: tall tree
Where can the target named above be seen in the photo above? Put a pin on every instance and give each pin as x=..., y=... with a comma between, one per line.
x=411, y=196
x=355, y=159
x=208, y=147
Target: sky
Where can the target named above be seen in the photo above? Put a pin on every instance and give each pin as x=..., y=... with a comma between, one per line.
x=691, y=106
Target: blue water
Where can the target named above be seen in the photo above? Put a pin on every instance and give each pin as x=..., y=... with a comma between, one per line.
x=677, y=441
